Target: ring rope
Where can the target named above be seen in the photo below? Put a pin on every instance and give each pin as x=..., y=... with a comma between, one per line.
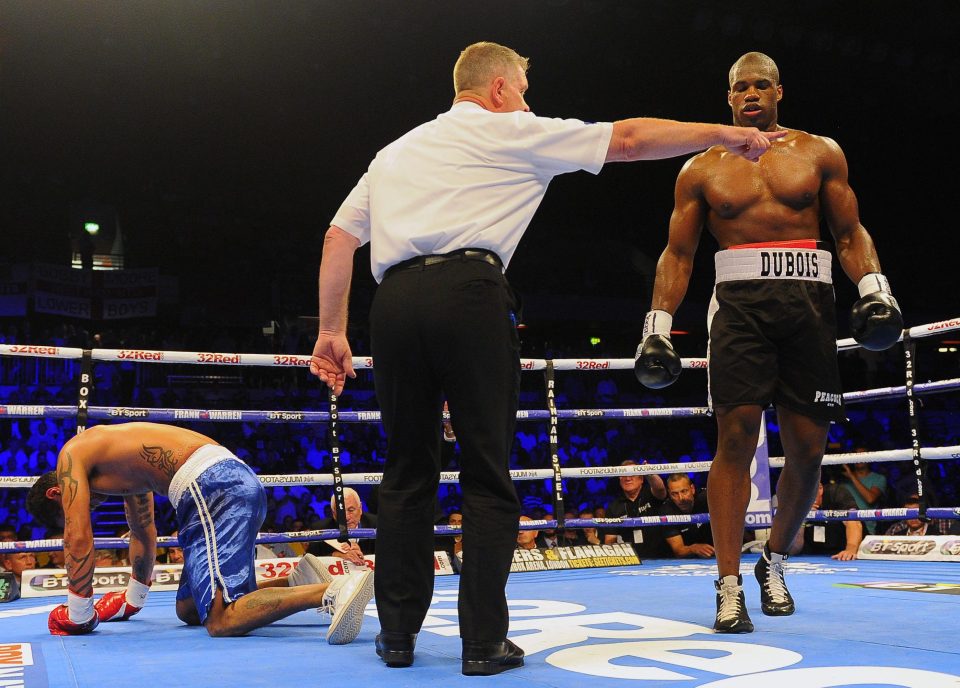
x=890, y=392
x=230, y=415
x=364, y=362
x=883, y=456
x=452, y=477
x=281, y=416
x=449, y=477
x=825, y=515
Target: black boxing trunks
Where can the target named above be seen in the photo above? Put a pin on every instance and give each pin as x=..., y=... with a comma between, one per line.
x=772, y=330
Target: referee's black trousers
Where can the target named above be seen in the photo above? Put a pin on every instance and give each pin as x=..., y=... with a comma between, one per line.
x=446, y=331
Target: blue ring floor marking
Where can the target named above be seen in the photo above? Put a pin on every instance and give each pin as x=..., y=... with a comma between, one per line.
x=654, y=621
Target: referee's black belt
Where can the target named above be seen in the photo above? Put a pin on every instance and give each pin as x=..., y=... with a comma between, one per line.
x=463, y=254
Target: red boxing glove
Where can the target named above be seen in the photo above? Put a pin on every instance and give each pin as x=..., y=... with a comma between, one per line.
x=114, y=607
x=59, y=622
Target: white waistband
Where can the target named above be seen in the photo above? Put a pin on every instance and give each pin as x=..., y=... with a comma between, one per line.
x=773, y=263
x=201, y=459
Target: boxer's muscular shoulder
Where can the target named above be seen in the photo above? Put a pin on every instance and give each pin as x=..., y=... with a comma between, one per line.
x=85, y=444
x=827, y=154
x=701, y=164
x=816, y=144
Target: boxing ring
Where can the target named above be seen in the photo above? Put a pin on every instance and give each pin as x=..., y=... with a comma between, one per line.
x=602, y=627
x=862, y=622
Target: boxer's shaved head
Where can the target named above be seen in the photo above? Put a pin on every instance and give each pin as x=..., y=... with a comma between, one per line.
x=756, y=62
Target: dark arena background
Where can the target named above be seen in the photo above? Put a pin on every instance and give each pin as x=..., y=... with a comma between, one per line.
x=167, y=173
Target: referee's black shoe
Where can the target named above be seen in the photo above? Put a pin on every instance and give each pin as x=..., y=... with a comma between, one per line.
x=482, y=658
x=396, y=649
x=775, y=599
x=732, y=614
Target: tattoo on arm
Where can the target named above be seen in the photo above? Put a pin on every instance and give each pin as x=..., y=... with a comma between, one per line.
x=80, y=573
x=140, y=515
x=68, y=484
x=141, y=568
x=160, y=458
x=139, y=511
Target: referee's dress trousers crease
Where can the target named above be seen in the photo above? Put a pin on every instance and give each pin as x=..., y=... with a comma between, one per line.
x=446, y=331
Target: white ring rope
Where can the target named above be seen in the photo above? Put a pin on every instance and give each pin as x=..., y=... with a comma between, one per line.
x=449, y=477
x=887, y=455
x=453, y=477
x=364, y=362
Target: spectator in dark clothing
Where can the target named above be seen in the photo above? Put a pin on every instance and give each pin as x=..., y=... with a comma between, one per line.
x=452, y=544
x=354, y=550
x=914, y=526
x=826, y=537
x=639, y=496
x=686, y=539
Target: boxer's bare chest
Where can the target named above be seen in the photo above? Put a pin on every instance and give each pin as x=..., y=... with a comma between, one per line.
x=774, y=199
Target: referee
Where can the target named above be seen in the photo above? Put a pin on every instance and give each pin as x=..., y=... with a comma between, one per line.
x=444, y=207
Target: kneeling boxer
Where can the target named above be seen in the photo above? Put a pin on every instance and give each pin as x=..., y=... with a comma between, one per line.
x=220, y=505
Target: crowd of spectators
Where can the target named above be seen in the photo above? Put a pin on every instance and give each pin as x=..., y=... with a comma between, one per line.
x=29, y=446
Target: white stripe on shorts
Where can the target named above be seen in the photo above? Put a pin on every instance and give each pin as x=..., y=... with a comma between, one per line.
x=210, y=540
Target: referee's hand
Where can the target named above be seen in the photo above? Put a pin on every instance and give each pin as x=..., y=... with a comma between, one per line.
x=332, y=360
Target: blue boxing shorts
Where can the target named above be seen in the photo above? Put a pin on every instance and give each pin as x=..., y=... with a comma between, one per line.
x=220, y=507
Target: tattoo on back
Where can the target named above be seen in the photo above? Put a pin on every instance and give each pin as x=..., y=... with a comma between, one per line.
x=160, y=458
x=68, y=484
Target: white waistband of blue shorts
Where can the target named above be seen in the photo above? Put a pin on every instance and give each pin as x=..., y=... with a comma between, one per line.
x=201, y=459
x=809, y=264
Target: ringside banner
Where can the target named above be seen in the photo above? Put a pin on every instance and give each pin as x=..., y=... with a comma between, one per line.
x=53, y=582
x=911, y=547
x=579, y=557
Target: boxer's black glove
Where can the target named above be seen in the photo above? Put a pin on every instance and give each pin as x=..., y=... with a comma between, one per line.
x=875, y=318
x=656, y=364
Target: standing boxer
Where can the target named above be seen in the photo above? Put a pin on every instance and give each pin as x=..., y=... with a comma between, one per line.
x=771, y=322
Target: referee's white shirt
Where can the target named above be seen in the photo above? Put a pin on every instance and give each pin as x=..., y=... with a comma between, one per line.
x=468, y=179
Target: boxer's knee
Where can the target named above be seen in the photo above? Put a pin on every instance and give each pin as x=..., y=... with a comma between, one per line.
x=738, y=429
x=219, y=623
x=216, y=628
x=187, y=612
x=804, y=439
